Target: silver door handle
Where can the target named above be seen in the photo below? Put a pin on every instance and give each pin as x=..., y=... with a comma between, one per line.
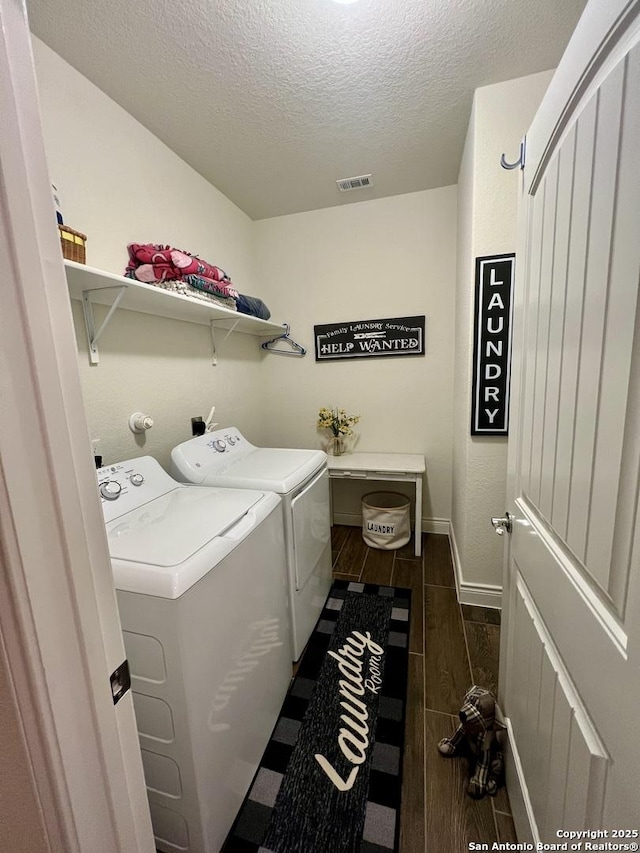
x=502, y=525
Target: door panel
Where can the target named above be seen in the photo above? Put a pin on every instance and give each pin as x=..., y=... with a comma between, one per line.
x=572, y=332
x=571, y=652
x=553, y=814
x=548, y=721
x=602, y=201
x=579, y=353
x=540, y=342
x=562, y=227
x=557, y=740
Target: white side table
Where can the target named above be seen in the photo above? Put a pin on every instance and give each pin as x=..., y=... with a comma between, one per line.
x=388, y=467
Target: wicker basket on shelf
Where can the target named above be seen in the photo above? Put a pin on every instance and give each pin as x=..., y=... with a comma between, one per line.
x=73, y=244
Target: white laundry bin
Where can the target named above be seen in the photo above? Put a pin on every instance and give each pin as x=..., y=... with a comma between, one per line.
x=385, y=520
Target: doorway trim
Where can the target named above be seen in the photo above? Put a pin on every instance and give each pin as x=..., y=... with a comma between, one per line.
x=60, y=636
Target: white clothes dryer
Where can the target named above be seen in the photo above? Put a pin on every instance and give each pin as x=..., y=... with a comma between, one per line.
x=201, y=586
x=225, y=458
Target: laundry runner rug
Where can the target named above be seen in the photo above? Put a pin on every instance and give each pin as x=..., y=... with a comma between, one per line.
x=330, y=778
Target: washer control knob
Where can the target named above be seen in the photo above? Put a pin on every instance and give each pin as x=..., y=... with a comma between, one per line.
x=110, y=490
x=136, y=479
x=219, y=445
x=231, y=440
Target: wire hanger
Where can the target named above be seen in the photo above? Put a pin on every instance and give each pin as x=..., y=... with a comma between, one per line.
x=293, y=348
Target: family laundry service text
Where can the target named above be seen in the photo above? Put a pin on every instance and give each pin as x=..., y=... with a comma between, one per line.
x=363, y=338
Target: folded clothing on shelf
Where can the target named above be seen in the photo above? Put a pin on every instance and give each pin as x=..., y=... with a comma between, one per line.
x=152, y=263
x=207, y=285
x=253, y=306
x=185, y=289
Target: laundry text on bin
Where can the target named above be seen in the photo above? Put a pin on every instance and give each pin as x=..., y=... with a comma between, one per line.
x=372, y=527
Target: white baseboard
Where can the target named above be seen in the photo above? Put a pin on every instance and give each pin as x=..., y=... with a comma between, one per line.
x=351, y=519
x=455, y=558
x=521, y=808
x=429, y=525
x=482, y=594
x=435, y=525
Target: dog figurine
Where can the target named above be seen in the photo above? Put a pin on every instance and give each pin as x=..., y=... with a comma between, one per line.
x=476, y=735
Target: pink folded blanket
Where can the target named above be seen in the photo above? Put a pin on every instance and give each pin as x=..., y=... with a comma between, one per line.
x=153, y=263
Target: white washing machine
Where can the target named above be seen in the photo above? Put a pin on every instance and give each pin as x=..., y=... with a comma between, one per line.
x=201, y=586
x=225, y=458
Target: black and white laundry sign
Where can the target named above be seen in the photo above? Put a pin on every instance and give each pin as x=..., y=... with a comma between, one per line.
x=370, y=338
x=492, y=345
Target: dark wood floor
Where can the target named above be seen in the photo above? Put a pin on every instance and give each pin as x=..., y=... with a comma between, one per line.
x=450, y=648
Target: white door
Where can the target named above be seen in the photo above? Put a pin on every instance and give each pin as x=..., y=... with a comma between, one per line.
x=570, y=657
x=60, y=635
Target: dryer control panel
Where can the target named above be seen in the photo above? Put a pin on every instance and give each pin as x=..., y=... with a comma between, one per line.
x=211, y=453
x=225, y=441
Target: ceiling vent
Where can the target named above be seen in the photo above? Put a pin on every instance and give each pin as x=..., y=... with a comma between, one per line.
x=347, y=184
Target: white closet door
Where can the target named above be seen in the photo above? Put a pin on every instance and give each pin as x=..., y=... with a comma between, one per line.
x=570, y=663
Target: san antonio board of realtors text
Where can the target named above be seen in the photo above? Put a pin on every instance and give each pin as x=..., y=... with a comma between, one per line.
x=370, y=338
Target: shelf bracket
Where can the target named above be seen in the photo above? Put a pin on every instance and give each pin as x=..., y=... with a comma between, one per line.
x=214, y=349
x=87, y=306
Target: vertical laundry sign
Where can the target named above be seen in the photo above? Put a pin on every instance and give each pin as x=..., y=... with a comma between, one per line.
x=492, y=345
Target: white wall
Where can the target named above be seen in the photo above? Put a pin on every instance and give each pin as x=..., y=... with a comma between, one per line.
x=388, y=257
x=487, y=205
x=118, y=184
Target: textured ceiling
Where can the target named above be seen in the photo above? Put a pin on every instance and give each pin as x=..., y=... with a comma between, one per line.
x=273, y=100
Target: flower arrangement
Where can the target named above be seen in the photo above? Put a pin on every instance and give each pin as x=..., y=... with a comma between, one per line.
x=337, y=420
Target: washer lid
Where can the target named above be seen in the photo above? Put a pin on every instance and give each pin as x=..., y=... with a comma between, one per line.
x=170, y=529
x=269, y=468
